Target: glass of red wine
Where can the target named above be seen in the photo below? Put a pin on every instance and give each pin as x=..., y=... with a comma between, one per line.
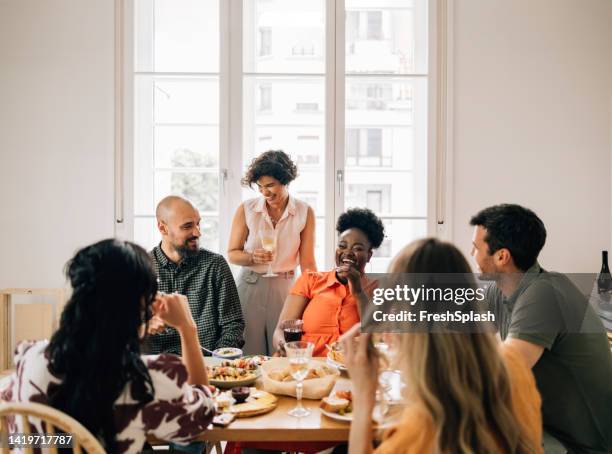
x=292, y=330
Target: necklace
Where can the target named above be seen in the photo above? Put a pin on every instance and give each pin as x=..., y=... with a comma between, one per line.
x=274, y=219
x=277, y=214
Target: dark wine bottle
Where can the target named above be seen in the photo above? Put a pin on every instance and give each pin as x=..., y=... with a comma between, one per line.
x=604, y=280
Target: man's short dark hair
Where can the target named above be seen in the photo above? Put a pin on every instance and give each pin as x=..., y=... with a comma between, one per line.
x=515, y=228
x=364, y=220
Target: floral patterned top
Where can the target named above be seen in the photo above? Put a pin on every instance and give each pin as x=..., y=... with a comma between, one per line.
x=178, y=412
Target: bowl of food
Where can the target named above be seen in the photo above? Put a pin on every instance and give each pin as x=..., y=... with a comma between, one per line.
x=227, y=353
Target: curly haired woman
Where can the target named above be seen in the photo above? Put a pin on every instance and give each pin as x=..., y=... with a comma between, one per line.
x=293, y=223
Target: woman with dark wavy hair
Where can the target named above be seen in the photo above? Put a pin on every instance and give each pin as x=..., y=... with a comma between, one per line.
x=92, y=368
x=293, y=224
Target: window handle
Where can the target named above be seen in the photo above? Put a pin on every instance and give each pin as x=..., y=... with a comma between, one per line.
x=339, y=181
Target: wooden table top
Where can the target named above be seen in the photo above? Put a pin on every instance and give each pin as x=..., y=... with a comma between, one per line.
x=279, y=426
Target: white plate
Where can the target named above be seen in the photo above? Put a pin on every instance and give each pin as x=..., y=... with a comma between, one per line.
x=227, y=353
x=336, y=364
x=376, y=416
x=337, y=416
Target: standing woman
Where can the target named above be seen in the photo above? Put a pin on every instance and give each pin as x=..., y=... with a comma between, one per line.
x=293, y=223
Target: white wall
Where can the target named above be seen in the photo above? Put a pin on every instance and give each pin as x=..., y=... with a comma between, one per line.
x=532, y=120
x=56, y=139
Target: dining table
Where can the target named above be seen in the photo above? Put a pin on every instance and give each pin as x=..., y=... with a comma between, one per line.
x=278, y=425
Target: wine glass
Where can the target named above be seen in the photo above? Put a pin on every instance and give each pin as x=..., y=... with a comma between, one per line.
x=292, y=329
x=299, y=354
x=383, y=349
x=386, y=373
x=268, y=243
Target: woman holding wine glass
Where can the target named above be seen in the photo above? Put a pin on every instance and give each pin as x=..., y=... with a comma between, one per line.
x=329, y=302
x=271, y=235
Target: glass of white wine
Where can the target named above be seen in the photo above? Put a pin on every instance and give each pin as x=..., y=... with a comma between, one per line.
x=268, y=243
x=299, y=354
x=387, y=376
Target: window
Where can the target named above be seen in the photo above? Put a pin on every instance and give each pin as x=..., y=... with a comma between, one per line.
x=352, y=30
x=376, y=197
x=303, y=50
x=374, y=143
x=307, y=107
x=353, y=144
x=310, y=197
x=374, y=200
x=265, y=97
x=189, y=140
x=374, y=19
x=265, y=42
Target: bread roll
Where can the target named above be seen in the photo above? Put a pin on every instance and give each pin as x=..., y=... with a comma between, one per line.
x=334, y=404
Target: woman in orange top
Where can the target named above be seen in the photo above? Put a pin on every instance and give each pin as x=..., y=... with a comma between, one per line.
x=329, y=302
x=465, y=394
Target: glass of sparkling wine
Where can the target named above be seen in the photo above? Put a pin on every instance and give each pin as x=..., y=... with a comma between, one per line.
x=268, y=243
x=299, y=354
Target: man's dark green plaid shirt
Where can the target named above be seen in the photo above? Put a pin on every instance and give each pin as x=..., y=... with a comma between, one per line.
x=207, y=281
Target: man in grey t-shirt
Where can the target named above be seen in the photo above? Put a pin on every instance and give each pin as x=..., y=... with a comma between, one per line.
x=546, y=318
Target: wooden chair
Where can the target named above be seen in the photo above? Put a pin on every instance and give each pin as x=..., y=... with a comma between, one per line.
x=52, y=419
x=33, y=321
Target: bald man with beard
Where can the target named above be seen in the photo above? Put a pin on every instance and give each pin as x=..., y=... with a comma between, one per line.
x=203, y=276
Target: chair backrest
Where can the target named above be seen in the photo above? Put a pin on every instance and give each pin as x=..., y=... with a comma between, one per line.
x=52, y=419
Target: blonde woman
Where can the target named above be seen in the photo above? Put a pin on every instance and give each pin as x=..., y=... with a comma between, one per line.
x=464, y=394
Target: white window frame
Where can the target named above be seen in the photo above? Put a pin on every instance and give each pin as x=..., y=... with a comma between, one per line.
x=439, y=131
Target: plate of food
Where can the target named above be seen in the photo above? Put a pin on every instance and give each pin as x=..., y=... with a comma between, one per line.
x=227, y=353
x=338, y=405
x=257, y=360
x=335, y=356
x=244, y=402
x=225, y=373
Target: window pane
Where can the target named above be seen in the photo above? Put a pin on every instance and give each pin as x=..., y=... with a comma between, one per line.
x=386, y=36
x=186, y=100
x=176, y=126
x=386, y=145
x=177, y=35
x=202, y=189
x=286, y=36
x=146, y=233
x=398, y=233
x=186, y=146
x=292, y=120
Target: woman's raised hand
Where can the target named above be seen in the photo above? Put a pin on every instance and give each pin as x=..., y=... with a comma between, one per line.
x=361, y=362
x=173, y=309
